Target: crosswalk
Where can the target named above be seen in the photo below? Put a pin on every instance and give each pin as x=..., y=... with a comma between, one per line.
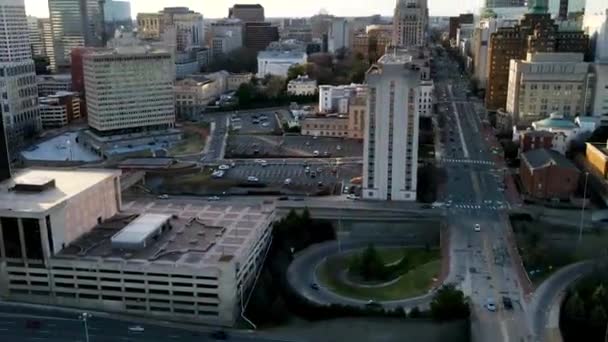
x=489, y=205
x=467, y=161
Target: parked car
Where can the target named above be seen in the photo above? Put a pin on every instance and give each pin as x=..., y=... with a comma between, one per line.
x=252, y=179
x=491, y=304
x=508, y=304
x=287, y=181
x=224, y=167
x=315, y=153
x=213, y=198
x=352, y=197
x=163, y=196
x=477, y=227
x=136, y=328
x=218, y=174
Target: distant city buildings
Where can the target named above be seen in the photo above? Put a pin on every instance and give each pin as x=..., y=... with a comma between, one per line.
x=390, y=152
x=19, y=101
x=51, y=84
x=185, y=25
x=336, y=99
x=247, y=13
x=595, y=23
x=536, y=32
x=82, y=27
x=338, y=35
x=258, y=35
x=548, y=175
x=410, y=23
x=227, y=35
x=117, y=15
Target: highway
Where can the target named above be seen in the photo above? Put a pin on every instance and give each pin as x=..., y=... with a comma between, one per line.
x=63, y=325
x=480, y=262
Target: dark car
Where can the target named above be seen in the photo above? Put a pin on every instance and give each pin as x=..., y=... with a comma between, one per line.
x=283, y=198
x=508, y=304
x=219, y=335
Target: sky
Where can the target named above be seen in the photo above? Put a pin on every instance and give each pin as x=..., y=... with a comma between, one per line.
x=282, y=8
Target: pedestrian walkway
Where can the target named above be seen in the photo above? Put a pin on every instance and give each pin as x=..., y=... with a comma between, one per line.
x=485, y=206
x=467, y=161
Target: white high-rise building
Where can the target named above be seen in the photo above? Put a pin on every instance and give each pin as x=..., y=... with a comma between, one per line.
x=129, y=90
x=339, y=35
x=595, y=23
x=481, y=40
x=410, y=23
x=390, y=151
x=19, y=102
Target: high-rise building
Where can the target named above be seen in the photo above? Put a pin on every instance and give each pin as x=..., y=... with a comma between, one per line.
x=481, y=39
x=259, y=35
x=116, y=14
x=5, y=161
x=59, y=109
x=19, y=103
x=536, y=32
x=410, y=23
x=74, y=23
x=546, y=83
x=226, y=36
x=129, y=90
x=35, y=36
x=505, y=3
x=595, y=23
x=339, y=35
x=390, y=151
x=247, y=13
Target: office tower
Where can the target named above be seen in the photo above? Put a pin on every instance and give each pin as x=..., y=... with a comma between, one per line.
x=339, y=35
x=505, y=3
x=410, y=23
x=546, y=83
x=5, y=161
x=117, y=14
x=226, y=36
x=247, y=13
x=129, y=90
x=17, y=76
x=536, y=32
x=390, y=151
x=74, y=23
x=258, y=35
x=481, y=38
x=595, y=23
x=35, y=36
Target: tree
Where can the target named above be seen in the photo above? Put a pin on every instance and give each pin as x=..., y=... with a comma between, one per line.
x=371, y=265
x=295, y=71
x=238, y=60
x=42, y=64
x=449, y=303
x=575, y=308
x=275, y=86
x=245, y=94
x=598, y=316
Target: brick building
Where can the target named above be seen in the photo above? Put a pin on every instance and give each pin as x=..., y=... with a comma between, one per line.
x=546, y=174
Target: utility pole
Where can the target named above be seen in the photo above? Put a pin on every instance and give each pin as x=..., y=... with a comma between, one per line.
x=580, y=229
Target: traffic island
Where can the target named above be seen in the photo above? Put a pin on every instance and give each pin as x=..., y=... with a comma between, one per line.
x=380, y=274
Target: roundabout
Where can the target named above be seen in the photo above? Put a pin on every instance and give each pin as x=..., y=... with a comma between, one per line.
x=323, y=274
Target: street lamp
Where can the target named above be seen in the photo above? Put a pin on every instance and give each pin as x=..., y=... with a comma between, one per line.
x=83, y=317
x=580, y=229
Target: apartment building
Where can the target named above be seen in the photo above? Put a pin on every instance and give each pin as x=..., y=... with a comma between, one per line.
x=50, y=84
x=336, y=99
x=390, y=151
x=129, y=90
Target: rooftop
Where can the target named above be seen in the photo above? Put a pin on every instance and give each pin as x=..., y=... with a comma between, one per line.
x=200, y=236
x=279, y=54
x=540, y=158
x=68, y=183
x=554, y=121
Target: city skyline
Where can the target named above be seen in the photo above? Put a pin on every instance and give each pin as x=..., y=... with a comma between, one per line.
x=277, y=8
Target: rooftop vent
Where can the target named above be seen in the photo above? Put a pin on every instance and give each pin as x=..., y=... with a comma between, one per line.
x=34, y=184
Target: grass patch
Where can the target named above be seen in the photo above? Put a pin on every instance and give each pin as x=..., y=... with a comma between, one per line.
x=545, y=248
x=191, y=142
x=426, y=265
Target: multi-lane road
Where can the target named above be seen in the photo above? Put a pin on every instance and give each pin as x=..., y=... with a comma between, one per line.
x=480, y=261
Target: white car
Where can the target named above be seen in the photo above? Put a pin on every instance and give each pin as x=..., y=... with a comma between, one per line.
x=224, y=167
x=253, y=179
x=287, y=181
x=477, y=227
x=260, y=161
x=352, y=197
x=164, y=196
x=315, y=153
x=491, y=304
x=218, y=174
x=213, y=198
x=265, y=124
x=136, y=328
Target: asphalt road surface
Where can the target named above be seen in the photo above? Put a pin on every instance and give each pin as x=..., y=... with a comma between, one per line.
x=480, y=262
x=61, y=326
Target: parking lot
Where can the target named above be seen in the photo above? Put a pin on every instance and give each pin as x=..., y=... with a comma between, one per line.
x=264, y=122
x=290, y=146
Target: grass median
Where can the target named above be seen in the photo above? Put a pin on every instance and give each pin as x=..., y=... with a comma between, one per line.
x=425, y=266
